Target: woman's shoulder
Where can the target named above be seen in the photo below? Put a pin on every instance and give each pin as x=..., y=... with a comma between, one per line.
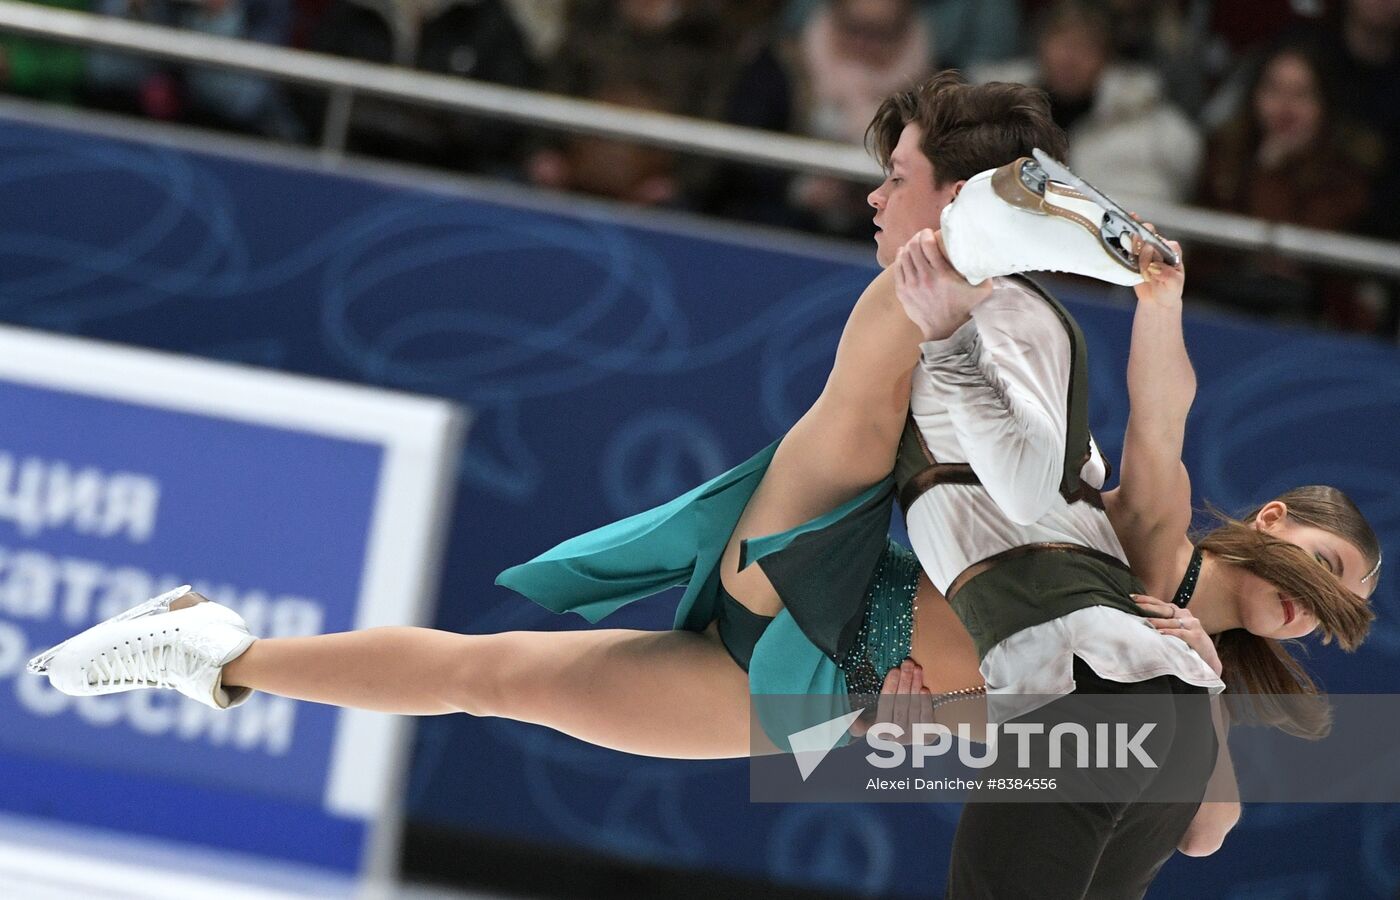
x=1164, y=571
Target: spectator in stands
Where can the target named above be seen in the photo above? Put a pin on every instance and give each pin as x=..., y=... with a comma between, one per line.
x=1362, y=45
x=676, y=47
x=1242, y=32
x=1173, y=38
x=961, y=33
x=476, y=39
x=619, y=170
x=207, y=95
x=658, y=55
x=852, y=54
x=825, y=81
x=43, y=69
x=1123, y=135
x=1288, y=157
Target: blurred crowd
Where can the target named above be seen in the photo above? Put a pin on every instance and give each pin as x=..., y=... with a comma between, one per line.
x=1285, y=110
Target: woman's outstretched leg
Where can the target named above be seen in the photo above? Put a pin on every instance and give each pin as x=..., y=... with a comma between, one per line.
x=674, y=694
x=843, y=444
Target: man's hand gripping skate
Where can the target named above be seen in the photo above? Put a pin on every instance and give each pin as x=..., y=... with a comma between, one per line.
x=934, y=296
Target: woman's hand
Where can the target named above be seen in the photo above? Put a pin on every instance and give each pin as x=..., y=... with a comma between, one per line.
x=1163, y=284
x=1172, y=620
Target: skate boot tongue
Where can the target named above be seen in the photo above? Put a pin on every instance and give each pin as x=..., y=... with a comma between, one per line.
x=185, y=649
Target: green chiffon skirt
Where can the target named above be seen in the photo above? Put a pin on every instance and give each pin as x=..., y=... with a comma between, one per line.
x=846, y=588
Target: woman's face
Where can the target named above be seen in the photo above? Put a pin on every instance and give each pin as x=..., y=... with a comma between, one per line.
x=1269, y=612
x=1288, y=101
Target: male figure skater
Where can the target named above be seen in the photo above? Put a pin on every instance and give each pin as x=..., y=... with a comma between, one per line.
x=999, y=479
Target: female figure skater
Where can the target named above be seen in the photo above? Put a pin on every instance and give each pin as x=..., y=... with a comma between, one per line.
x=832, y=603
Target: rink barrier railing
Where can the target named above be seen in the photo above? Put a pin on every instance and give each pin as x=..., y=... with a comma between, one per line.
x=345, y=79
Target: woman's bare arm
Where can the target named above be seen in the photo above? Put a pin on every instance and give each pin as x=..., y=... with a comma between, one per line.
x=1154, y=496
x=1220, y=810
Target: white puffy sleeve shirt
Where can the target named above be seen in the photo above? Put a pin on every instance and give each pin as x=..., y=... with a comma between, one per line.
x=995, y=395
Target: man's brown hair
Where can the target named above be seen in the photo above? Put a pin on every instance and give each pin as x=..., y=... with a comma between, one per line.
x=967, y=128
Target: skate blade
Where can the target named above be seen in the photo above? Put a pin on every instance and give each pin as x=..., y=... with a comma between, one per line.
x=40, y=664
x=1120, y=218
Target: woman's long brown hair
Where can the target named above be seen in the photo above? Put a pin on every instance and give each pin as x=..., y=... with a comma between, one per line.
x=1279, y=691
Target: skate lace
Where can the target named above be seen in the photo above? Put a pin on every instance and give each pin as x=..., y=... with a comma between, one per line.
x=152, y=663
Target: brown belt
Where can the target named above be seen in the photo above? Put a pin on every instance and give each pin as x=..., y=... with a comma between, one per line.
x=993, y=561
x=961, y=473
x=934, y=475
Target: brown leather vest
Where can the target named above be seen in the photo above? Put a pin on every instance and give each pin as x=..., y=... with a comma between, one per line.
x=916, y=470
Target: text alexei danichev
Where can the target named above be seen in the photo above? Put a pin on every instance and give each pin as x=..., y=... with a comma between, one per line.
x=924, y=784
x=961, y=784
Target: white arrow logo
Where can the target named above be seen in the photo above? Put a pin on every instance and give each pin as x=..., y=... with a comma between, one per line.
x=811, y=745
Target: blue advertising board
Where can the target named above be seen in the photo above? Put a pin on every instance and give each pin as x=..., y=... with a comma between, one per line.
x=124, y=473
x=612, y=360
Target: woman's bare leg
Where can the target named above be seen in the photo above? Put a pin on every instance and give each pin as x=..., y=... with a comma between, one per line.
x=845, y=443
x=675, y=694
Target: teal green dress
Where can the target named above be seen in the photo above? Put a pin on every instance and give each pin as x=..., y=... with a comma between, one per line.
x=847, y=589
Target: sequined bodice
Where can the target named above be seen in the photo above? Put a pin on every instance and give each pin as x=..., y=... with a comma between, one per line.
x=887, y=629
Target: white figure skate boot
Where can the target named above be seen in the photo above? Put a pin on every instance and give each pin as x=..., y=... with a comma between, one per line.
x=1017, y=219
x=154, y=646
